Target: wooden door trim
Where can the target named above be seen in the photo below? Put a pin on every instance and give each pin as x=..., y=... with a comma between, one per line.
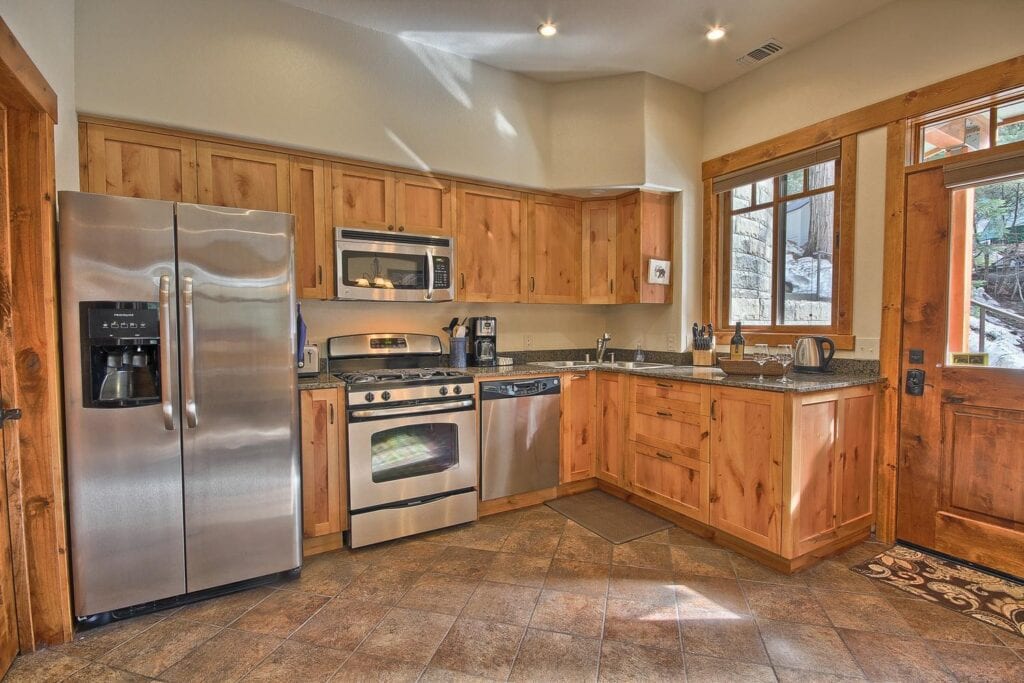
x=21, y=82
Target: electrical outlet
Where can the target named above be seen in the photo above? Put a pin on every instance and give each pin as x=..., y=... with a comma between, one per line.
x=867, y=347
x=672, y=342
x=527, y=342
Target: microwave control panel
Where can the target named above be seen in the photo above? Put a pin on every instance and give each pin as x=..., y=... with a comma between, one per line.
x=442, y=272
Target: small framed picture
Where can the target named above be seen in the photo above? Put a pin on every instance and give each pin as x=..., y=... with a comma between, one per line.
x=659, y=272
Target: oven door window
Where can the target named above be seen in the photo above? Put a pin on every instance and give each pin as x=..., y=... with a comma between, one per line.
x=413, y=451
x=383, y=270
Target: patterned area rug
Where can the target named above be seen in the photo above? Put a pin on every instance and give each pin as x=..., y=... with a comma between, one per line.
x=985, y=597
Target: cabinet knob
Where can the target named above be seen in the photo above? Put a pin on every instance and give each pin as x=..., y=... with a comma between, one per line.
x=401, y=228
x=391, y=228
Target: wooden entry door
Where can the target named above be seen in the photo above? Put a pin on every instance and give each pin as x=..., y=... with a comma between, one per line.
x=961, y=464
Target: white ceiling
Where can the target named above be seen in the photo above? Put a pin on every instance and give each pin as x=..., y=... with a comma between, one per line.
x=602, y=37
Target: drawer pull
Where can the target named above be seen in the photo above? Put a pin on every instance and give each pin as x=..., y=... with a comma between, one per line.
x=663, y=456
x=662, y=413
x=663, y=385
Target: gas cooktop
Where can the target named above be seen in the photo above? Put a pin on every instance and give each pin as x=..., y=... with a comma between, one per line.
x=398, y=375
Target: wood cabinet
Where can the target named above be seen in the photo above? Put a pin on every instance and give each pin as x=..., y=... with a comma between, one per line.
x=672, y=480
x=423, y=204
x=133, y=163
x=644, y=232
x=324, y=465
x=611, y=411
x=491, y=244
x=310, y=199
x=363, y=197
x=552, y=251
x=577, y=426
x=747, y=434
x=599, y=262
x=242, y=177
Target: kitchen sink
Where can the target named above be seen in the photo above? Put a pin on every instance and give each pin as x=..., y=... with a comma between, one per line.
x=619, y=364
x=634, y=365
x=564, y=363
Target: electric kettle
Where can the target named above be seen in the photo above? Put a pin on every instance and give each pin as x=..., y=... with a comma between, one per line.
x=809, y=355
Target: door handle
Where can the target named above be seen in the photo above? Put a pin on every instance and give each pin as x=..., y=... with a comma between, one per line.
x=430, y=275
x=9, y=414
x=462, y=281
x=611, y=286
x=533, y=284
x=636, y=284
x=915, y=382
x=319, y=275
x=188, y=355
x=713, y=408
x=330, y=407
x=166, y=402
x=662, y=413
x=663, y=456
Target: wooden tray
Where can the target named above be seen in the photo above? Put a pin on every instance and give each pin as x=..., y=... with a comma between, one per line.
x=748, y=366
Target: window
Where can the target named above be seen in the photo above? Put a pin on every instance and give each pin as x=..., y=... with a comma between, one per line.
x=783, y=246
x=975, y=127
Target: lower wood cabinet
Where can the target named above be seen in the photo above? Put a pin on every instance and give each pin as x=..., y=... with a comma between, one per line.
x=324, y=469
x=672, y=480
x=610, y=412
x=577, y=426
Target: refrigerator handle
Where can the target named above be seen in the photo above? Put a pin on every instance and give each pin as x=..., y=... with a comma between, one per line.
x=188, y=356
x=166, y=404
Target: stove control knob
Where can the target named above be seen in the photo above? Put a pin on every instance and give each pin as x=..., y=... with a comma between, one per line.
x=386, y=396
x=457, y=390
x=369, y=397
x=444, y=391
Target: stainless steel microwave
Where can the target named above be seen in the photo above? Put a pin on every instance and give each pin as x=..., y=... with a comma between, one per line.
x=379, y=266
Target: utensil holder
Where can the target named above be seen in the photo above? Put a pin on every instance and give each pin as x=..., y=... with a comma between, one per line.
x=457, y=352
x=704, y=357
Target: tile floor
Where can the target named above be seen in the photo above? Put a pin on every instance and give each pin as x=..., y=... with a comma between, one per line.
x=531, y=596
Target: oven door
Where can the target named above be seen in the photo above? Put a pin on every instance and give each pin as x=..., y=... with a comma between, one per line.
x=385, y=270
x=404, y=457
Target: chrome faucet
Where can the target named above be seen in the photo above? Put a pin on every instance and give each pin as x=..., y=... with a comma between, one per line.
x=602, y=346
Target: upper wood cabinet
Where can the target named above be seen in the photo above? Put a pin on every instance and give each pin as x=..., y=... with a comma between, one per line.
x=133, y=163
x=490, y=244
x=552, y=253
x=611, y=413
x=310, y=202
x=324, y=466
x=242, y=177
x=644, y=232
x=423, y=204
x=577, y=426
x=599, y=267
x=363, y=197
x=747, y=434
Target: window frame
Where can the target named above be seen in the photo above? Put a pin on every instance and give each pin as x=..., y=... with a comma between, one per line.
x=986, y=106
x=720, y=214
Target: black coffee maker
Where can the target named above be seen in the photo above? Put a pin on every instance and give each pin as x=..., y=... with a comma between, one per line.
x=483, y=341
x=120, y=354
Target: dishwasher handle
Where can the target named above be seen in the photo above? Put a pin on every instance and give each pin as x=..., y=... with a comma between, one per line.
x=541, y=386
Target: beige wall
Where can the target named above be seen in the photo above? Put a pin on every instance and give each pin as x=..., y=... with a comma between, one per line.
x=46, y=29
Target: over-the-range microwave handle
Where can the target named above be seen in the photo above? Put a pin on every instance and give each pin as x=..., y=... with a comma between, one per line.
x=166, y=403
x=188, y=354
x=430, y=274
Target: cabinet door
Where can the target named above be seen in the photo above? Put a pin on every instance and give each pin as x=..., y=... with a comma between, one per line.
x=363, y=197
x=553, y=250
x=627, y=249
x=242, y=178
x=675, y=481
x=131, y=163
x=312, y=233
x=423, y=204
x=599, y=253
x=323, y=497
x=577, y=438
x=655, y=243
x=611, y=416
x=662, y=425
x=746, y=465
x=490, y=244
x=856, y=474
x=812, y=498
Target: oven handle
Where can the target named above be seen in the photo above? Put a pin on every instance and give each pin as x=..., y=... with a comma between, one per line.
x=430, y=275
x=412, y=410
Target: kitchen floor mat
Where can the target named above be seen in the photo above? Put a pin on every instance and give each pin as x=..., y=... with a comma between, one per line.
x=610, y=518
x=986, y=597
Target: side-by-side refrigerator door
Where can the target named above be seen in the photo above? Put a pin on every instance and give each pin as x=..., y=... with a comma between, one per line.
x=118, y=315
x=239, y=394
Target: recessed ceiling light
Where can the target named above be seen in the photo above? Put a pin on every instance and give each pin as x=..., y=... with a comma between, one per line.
x=547, y=29
x=715, y=33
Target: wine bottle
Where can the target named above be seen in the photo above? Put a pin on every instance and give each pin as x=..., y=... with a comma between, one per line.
x=736, y=344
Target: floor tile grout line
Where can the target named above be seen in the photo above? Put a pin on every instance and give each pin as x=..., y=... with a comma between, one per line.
x=753, y=618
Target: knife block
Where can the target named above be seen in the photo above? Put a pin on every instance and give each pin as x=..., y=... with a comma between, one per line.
x=705, y=357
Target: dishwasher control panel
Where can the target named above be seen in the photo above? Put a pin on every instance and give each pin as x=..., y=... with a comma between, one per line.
x=525, y=387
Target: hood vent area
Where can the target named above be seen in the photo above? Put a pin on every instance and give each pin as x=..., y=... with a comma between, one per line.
x=770, y=49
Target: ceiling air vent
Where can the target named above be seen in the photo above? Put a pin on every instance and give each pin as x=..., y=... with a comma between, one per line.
x=762, y=53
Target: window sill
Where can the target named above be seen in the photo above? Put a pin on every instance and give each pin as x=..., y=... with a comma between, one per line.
x=843, y=342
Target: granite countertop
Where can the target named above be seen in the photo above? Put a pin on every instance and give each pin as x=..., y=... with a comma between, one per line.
x=802, y=382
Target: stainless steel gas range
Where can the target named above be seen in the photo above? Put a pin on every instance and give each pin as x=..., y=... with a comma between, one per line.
x=412, y=436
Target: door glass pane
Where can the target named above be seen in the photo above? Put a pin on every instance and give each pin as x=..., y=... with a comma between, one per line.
x=955, y=136
x=383, y=271
x=413, y=451
x=806, y=297
x=751, y=295
x=986, y=288
x=1010, y=122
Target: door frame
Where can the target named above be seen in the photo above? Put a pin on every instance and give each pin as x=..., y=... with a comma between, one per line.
x=29, y=347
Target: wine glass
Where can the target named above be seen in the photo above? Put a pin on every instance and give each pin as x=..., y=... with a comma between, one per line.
x=785, y=357
x=761, y=357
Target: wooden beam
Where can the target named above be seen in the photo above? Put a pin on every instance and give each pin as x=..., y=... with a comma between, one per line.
x=962, y=88
x=21, y=83
x=891, y=345
x=709, y=297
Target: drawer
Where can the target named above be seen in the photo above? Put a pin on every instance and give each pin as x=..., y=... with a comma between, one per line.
x=675, y=481
x=679, y=396
x=670, y=429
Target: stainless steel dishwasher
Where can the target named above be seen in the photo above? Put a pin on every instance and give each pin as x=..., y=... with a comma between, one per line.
x=519, y=436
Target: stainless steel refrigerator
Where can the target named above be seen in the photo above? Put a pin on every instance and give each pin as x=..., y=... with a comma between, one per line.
x=180, y=397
